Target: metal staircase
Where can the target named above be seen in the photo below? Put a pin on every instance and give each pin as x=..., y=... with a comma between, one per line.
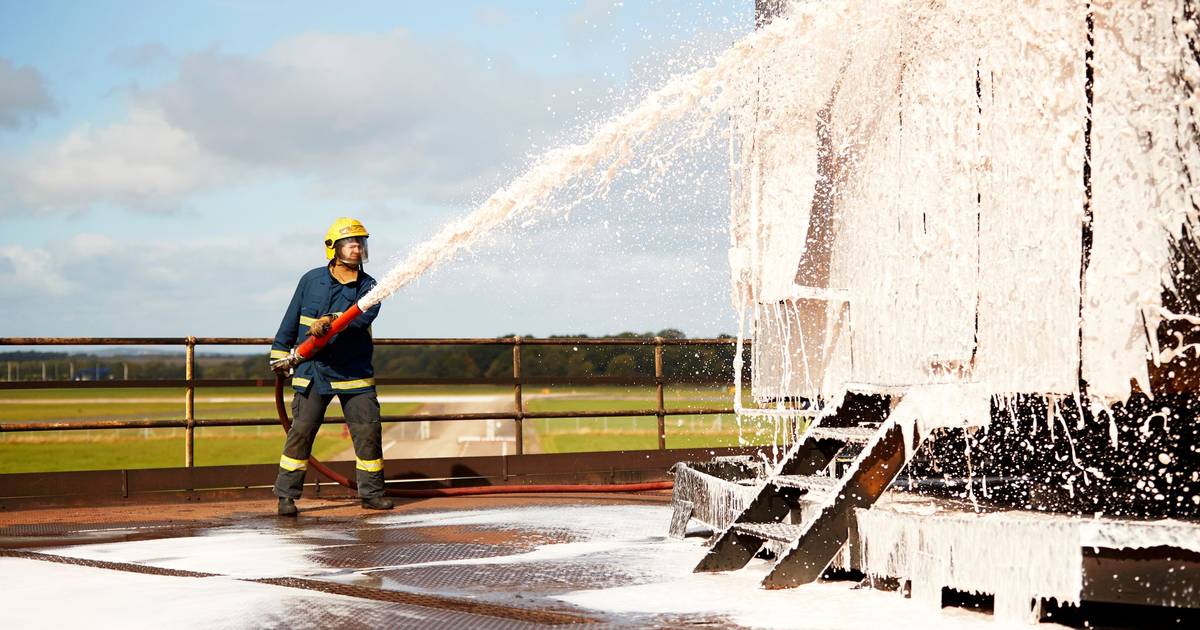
x=842, y=462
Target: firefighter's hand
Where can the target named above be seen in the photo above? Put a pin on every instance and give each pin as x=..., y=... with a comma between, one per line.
x=283, y=366
x=320, y=328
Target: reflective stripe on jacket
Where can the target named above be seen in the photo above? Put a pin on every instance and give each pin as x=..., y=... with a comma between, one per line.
x=344, y=365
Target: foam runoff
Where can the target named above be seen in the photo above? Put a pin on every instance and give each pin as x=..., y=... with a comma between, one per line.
x=1016, y=555
x=738, y=597
x=589, y=520
x=237, y=554
x=660, y=570
x=715, y=501
x=100, y=598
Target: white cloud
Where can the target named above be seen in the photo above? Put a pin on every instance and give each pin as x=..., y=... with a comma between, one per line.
x=23, y=95
x=47, y=270
x=427, y=119
x=84, y=246
x=385, y=115
x=143, y=163
x=26, y=271
x=133, y=287
x=562, y=279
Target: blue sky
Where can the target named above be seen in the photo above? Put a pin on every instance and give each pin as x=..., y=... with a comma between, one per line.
x=170, y=168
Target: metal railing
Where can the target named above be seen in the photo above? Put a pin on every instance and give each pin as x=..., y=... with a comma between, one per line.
x=519, y=414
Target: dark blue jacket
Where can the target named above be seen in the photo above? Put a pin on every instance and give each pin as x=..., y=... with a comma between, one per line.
x=344, y=365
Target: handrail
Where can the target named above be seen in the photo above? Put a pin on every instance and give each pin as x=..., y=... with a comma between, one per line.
x=518, y=415
x=391, y=341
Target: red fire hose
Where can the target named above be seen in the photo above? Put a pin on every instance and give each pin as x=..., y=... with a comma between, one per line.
x=313, y=344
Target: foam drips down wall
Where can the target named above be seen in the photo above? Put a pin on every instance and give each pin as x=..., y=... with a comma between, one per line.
x=910, y=204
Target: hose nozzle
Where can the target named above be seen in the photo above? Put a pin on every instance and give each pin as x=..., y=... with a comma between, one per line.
x=313, y=345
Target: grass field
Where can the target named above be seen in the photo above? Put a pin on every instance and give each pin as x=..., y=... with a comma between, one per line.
x=154, y=448
x=150, y=448
x=573, y=435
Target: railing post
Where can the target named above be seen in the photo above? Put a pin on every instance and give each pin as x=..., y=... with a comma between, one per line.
x=520, y=405
x=658, y=386
x=189, y=405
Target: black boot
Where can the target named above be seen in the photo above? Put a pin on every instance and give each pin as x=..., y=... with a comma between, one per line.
x=287, y=507
x=378, y=503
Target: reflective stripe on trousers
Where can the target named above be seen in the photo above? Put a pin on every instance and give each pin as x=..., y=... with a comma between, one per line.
x=362, y=417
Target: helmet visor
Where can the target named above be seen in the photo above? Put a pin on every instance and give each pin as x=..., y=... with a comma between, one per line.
x=351, y=250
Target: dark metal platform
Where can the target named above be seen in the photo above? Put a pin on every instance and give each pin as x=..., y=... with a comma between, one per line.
x=415, y=567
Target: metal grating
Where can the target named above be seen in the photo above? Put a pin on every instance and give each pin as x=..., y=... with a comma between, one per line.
x=477, y=613
x=430, y=601
x=807, y=482
x=779, y=532
x=504, y=579
x=858, y=435
x=375, y=555
x=66, y=529
x=369, y=615
x=101, y=564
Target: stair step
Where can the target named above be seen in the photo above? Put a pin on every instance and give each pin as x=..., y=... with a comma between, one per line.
x=876, y=449
x=779, y=532
x=812, y=483
x=857, y=435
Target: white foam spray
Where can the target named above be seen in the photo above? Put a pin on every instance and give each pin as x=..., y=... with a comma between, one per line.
x=696, y=99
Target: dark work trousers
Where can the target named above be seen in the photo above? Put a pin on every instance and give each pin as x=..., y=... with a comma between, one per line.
x=362, y=416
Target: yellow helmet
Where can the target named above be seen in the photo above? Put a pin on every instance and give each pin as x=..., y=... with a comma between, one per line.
x=344, y=227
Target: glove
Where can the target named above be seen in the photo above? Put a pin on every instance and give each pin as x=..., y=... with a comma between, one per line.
x=283, y=366
x=320, y=328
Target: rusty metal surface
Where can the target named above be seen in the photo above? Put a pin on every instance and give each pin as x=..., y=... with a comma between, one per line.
x=380, y=564
x=562, y=381
x=660, y=406
x=1157, y=576
x=383, y=554
x=128, y=567
x=433, y=341
x=39, y=535
x=530, y=579
x=518, y=404
x=431, y=601
x=93, y=341
x=115, y=486
x=479, y=612
x=375, y=563
x=80, y=425
x=65, y=529
x=189, y=404
x=825, y=534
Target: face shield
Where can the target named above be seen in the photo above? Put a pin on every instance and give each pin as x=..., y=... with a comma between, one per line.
x=351, y=250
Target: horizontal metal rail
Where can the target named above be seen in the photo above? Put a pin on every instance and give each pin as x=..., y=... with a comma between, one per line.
x=447, y=341
x=517, y=381
x=432, y=382
x=99, y=487
x=176, y=423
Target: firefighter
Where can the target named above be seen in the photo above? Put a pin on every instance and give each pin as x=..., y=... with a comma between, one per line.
x=342, y=368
